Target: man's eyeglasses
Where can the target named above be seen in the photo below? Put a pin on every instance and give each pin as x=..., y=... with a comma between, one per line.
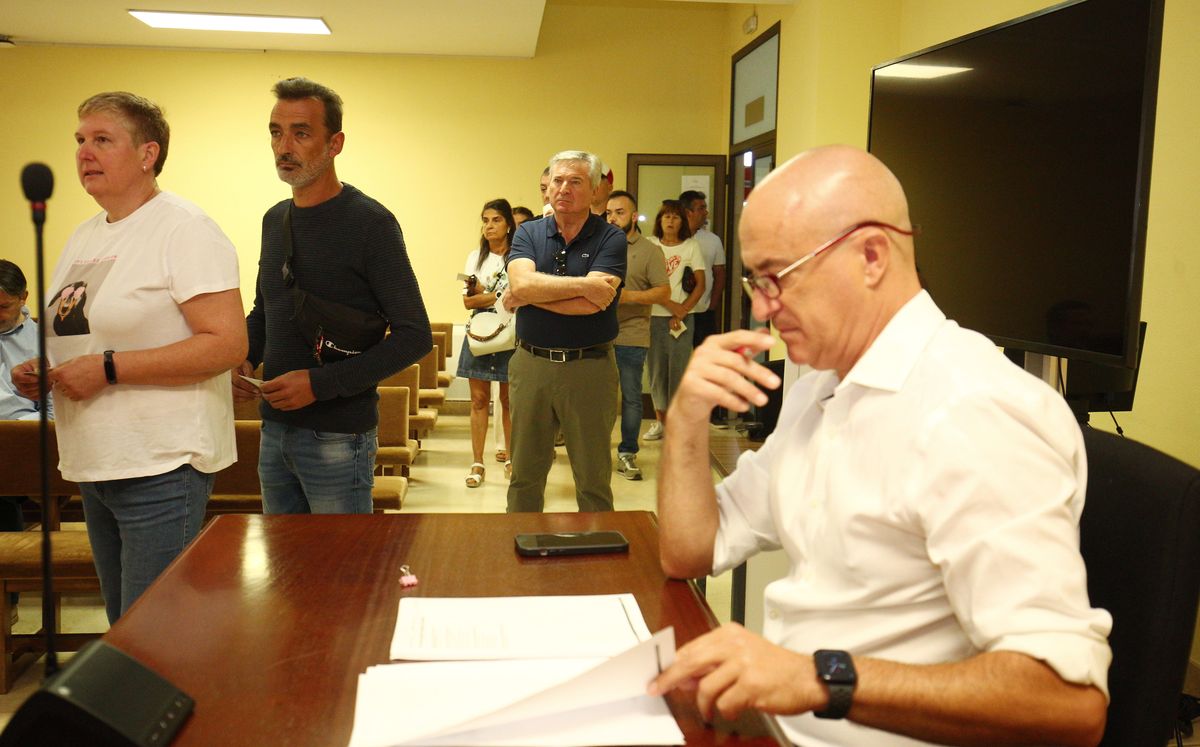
x=560, y=261
x=768, y=283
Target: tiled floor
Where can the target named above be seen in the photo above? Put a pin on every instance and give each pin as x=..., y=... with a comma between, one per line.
x=436, y=485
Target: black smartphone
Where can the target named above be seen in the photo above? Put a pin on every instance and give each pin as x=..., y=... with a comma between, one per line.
x=571, y=543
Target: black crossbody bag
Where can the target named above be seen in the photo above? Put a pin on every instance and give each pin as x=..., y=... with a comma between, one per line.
x=334, y=330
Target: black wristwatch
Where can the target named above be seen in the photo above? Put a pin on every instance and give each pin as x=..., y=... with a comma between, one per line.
x=110, y=370
x=836, y=670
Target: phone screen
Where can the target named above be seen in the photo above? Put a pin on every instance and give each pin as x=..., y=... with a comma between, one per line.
x=571, y=543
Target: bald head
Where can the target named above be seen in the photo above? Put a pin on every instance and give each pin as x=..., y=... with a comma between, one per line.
x=823, y=191
x=831, y=309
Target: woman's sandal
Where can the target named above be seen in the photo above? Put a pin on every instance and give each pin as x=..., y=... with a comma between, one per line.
x=475, y=479
x=508, y=470
x=501, y=455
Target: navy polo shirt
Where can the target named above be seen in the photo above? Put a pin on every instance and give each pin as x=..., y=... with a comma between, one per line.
x=599, y=247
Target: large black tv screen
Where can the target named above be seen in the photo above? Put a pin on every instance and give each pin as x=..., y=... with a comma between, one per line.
x=1029, y=172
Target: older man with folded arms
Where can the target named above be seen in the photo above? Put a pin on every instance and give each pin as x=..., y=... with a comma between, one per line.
x=926, y=491
x=564, y=272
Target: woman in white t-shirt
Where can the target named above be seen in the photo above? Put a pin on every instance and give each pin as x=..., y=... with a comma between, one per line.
x=488, y=281
x=671, y=324
x=144, y=325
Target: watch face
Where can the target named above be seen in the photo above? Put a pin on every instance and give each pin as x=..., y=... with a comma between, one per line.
x=834, y=666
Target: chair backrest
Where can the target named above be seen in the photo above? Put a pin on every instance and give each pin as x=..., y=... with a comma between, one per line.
x=1140, y=540
x=20, y=452
x=241, y=477
x=448, y=328
x=441, y=341
x=409, y=378
x=246, y=410
x=429, y=369
x=393, y=415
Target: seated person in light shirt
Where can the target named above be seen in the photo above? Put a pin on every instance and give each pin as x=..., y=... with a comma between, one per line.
x=926, y=491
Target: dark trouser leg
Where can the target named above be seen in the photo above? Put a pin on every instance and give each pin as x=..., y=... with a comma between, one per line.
x=586, y=402
x=531, y=383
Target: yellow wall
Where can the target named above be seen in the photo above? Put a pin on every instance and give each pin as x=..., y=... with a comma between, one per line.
x=431, y=138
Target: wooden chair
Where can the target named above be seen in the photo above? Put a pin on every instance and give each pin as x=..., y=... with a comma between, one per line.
x=421, y=420
x=73, y=569
x=445, y=377
x=71, y=561
x=431, y=394
x=396, y=449
x=237, y=490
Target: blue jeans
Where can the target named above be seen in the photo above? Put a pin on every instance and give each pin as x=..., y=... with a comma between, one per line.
x=303, y=471
x=630, y=361
x=137, y=526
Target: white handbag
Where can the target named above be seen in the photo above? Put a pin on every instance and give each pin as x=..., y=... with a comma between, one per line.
x=491, y=331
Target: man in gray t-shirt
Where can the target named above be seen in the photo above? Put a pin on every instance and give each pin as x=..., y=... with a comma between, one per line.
x=646, y=283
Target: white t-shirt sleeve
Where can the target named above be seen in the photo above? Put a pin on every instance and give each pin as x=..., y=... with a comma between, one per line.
x=199, y=259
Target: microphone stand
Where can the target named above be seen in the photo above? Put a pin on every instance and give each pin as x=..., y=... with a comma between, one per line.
x=49, y=617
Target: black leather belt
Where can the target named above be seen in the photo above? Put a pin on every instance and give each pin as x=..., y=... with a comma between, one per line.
x=562, y=355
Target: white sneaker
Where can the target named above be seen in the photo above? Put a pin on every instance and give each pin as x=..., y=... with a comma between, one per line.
x=655, y=432
x=627, y=467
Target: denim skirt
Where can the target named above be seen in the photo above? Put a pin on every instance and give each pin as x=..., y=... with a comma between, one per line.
x=493, y=367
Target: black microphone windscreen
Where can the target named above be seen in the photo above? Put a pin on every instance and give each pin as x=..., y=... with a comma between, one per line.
x=38, y=182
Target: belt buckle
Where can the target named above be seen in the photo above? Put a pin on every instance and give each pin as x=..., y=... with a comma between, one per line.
x=558, y=356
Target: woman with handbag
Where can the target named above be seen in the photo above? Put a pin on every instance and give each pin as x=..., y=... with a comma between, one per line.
x=671, y=324
x=491, y=337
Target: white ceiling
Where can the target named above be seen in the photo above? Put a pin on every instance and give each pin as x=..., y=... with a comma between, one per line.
x=484, y=28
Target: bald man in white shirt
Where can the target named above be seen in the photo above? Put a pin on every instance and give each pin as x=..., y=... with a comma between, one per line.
x=926, y=491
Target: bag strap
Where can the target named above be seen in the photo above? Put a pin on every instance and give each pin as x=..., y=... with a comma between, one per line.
x=288, y=278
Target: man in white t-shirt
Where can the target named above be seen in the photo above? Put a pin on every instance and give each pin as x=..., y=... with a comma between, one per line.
x=927, y=493
x=707, y=314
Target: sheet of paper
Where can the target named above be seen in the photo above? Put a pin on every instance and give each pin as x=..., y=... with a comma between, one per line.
x=538, y=703
x=442, y=629
x=677, y=332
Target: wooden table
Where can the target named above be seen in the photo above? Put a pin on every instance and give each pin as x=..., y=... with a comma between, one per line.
x=267, y=621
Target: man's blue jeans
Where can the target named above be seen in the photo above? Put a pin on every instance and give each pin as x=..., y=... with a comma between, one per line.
x=137, y=526
x=303, y=471
x=630, y=361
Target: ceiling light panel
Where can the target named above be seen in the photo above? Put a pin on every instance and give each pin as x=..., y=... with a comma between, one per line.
x=219, y=22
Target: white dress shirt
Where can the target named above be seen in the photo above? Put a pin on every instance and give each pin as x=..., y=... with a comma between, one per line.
x=929, y=505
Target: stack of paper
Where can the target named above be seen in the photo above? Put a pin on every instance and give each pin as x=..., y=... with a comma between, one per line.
x=520, y=677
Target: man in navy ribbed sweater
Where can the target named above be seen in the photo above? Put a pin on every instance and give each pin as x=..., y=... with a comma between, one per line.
x=320, y=416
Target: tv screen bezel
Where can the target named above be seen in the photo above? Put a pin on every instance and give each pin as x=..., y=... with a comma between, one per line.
x=1133, y=292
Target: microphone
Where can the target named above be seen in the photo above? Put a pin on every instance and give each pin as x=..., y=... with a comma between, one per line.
x=37, y=181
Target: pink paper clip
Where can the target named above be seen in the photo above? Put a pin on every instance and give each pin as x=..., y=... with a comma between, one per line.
x=407, y=578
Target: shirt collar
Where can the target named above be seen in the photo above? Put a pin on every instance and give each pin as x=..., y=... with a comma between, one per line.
x=17, y=327
x=588, y=228
x=890, y=359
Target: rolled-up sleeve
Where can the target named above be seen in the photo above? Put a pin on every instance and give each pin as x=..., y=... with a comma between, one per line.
x=1001, y=515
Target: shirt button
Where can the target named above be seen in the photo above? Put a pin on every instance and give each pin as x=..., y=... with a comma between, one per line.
x=773, y=614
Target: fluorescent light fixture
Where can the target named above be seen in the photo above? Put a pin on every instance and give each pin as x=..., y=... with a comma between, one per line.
x=911, y=70
x=220, y=22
